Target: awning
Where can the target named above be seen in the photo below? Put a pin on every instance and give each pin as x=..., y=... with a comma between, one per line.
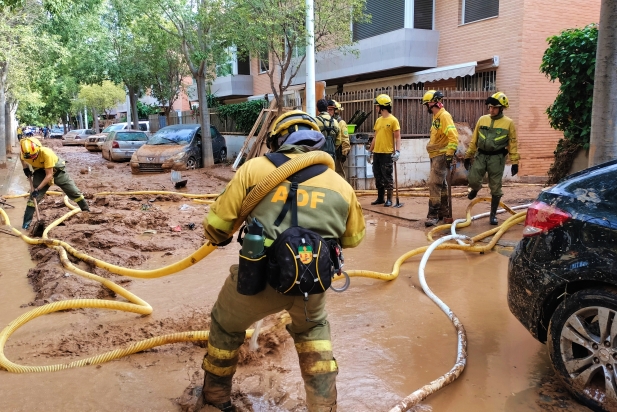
x=443, y=73
x=429, y=75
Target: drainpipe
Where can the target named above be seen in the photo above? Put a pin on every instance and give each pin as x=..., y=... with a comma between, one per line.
x=310, y=59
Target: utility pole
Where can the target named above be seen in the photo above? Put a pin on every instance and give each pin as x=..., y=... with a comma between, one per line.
x=603, y=139
x=310, y=58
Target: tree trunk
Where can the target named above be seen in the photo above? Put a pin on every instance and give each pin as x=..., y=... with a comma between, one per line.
x=3, y=146
x=603, y=140
x=95, y=120
x=133, y=103
x=204, y=119
x=12, y=122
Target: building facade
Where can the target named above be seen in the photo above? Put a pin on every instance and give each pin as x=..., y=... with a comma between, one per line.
x=475, y=45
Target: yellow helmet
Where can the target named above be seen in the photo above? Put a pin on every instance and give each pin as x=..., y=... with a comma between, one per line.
x=383, y=100
x=498, y=99
x=288, y=123
x=335, y=104
x=30, y=147
x=432, y=96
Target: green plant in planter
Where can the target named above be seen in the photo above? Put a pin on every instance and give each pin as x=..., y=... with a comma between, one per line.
x=243, y=114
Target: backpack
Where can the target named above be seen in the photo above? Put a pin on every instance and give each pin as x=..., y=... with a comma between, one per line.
x=330, y=131
x=301, y=262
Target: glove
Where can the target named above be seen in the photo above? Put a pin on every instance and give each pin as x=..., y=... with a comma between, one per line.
x=27, y=172
x=514, y=169
x=448, y=161
x=396, y=155
x=35, y=193
x=467, y=164
x=223, y=243
x=343, y=158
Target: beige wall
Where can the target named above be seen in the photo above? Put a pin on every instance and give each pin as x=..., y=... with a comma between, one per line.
x=518, y=36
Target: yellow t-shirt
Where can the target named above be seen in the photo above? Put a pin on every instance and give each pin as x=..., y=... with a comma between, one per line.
x=384, y=134
x=45, y=160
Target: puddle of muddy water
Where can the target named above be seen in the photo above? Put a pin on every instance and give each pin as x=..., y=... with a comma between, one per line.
x=389, y=338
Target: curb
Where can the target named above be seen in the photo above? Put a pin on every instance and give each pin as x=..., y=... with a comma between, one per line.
x=10, y=167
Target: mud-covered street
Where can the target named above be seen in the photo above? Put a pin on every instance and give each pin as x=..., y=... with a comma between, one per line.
x=389, y=339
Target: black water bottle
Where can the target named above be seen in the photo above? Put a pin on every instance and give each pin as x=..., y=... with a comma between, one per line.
x=252, y=274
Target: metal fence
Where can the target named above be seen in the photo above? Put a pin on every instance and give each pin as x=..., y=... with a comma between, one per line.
x=464, y=106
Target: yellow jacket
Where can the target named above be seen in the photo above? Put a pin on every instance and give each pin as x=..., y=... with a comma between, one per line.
x=342, y=140
x=493, y=134
x=327, y=205
x=444, y=137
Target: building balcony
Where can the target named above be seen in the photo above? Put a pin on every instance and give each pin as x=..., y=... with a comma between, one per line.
x=396, y=52
x=239, y=85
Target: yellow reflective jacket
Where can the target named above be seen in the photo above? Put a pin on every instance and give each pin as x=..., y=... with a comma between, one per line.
x=444, y=137
x=327, y=204
x=493, y=134
x=342, y=140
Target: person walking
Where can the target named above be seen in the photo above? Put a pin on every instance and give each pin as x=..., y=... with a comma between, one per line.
x=494, y=138
x=441, y=148
x=20, y=133
x=325, y=204
x=328, y=127
x=342, y=141
x=47, y=169
x=385, y=147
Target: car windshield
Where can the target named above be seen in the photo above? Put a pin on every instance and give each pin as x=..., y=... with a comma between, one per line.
x=57, y=129
x=113, y=127
x=172, y=136
x=128, y=137
x=76, y=132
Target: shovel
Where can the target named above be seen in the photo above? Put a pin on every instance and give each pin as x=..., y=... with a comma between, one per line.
x=448, y=219
x=39, y=226
x=398, y=204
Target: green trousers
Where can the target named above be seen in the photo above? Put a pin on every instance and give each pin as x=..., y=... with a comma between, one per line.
x=61, y=179
x=491, y=164
x=233, y=313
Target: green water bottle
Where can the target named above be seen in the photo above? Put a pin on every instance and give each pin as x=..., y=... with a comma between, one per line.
x=253, y=243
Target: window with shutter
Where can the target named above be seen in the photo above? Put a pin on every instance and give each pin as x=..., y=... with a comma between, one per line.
x=474, y=10
x=423, y=14
x=384, y=19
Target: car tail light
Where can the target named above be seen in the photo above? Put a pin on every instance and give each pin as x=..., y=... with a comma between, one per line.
x=115, y=145
x=542, y=217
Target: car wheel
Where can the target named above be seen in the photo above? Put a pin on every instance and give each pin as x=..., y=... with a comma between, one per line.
x=223, y=155
x=191, y=163
x=582, y=344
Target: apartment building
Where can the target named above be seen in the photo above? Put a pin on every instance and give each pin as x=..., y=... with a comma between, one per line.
x=477, y=45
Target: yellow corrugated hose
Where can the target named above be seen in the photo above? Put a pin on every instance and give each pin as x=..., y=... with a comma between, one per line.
x=137, y=305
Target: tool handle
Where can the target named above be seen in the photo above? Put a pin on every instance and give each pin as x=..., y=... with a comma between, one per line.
x=36, y=204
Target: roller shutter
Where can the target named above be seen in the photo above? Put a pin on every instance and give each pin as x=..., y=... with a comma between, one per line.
x=480, y=9
x=423, y=14
x=385, y=17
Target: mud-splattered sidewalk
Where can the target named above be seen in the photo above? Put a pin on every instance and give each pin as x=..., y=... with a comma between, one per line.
x=388, y=338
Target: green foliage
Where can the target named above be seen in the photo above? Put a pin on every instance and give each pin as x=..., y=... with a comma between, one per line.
x=243, y=114
x=571, y=59
x=145, y=110
x=104, y=97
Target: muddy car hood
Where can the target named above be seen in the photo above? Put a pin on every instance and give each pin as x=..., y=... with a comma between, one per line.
x=158, y=153
x=99, y=135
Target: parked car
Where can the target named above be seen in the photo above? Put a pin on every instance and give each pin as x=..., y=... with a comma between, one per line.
x=176, y=147
x=56, y=133
x=562, y=281
x=120, y=145
x=76, y=137
x=94, y=143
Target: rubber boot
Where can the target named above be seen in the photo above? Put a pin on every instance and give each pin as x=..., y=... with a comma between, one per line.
x=216, y=392
x=379, y=201
x=83, y=205
x=389, y=201
x=494, y=205
x=472, y=194
x=28, y=216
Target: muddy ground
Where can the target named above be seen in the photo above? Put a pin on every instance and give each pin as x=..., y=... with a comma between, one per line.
x=148, y=231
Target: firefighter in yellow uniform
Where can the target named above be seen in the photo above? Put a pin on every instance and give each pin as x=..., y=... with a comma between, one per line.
x=494, y=138
x=48, y=170
x=342, y=140
x=441, y=148
x=327, y=205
